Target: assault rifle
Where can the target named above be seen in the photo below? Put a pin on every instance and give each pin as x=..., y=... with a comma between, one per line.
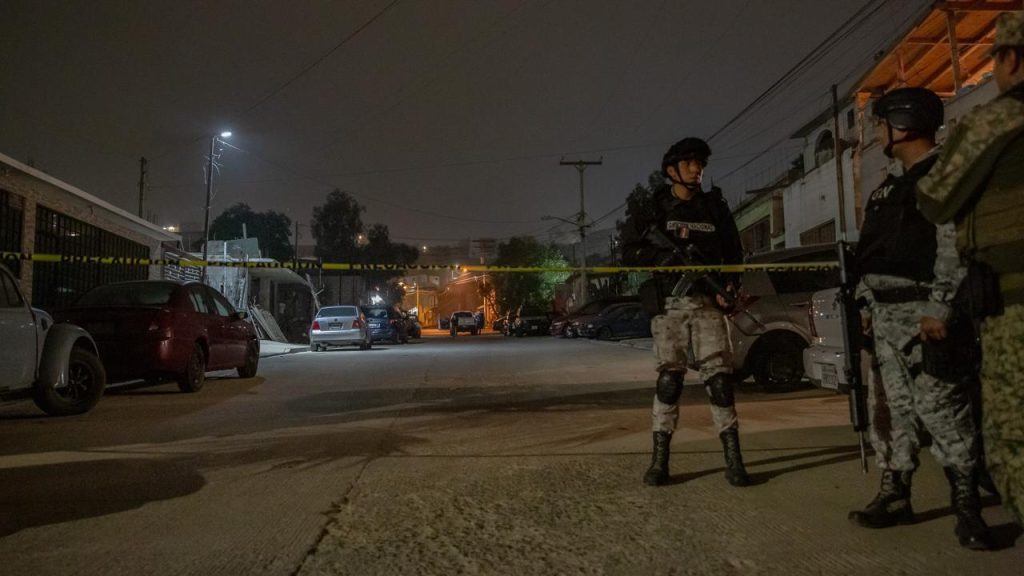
x=852, y=343
x=689, y=255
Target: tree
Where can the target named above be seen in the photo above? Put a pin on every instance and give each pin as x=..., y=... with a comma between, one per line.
x=272, y=229
x=380, y=249
x=640, y=206
x=336, y=227
x=530, y=289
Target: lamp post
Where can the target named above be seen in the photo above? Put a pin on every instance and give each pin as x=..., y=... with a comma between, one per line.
x=209, y=193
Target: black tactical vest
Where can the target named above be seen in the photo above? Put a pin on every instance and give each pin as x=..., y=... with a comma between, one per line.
x=896, y=239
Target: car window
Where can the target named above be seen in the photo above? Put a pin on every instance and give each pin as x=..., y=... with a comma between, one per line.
x=337, y=311
x=221, y=304
x=128, y=294
x=375, y=312
x=195, y=297
x=9, y=295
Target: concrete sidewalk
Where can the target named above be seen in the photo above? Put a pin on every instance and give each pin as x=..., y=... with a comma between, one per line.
x=555, y=489
x=270, y=348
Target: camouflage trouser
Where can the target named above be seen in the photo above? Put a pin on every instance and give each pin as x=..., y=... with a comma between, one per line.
x=691, y=331
x=909, y=398
x=1002, y=379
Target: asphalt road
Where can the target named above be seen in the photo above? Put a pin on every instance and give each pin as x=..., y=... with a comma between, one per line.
x=473, y=455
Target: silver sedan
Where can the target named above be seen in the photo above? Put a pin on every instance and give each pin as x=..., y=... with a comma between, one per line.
x=339, y=326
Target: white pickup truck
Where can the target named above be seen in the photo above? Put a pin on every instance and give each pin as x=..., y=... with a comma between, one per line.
x=56, y=364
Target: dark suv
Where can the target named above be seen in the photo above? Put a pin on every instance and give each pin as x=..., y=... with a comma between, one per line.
x=529, y=322
x=386, y=323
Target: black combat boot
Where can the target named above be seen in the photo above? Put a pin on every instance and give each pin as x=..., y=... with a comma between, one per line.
x=971, y=529
x=891, y=505
x=735, y=472
x=657, y=474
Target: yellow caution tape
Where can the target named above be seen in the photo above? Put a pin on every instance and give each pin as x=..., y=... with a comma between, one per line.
x=309, y=265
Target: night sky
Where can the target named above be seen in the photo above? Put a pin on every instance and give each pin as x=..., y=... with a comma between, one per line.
x=446, y=119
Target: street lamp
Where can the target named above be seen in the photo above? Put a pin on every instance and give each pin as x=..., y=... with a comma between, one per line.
x=209, y=192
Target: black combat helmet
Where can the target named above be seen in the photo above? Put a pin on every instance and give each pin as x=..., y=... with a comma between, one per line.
x=917, y=110
x=685, y=149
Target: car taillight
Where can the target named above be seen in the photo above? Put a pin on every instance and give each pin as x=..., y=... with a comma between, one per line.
x=161, y=323
x=316, y=324
x=357, y=323
x=394, y=322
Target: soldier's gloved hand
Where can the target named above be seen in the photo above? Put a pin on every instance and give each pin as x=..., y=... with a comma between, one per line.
x=722, y=302
x=933, y=329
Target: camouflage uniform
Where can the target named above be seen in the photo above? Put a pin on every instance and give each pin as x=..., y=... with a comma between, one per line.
x=913, y=397
x=692, y=330
x=682, y=225
x=979, y=184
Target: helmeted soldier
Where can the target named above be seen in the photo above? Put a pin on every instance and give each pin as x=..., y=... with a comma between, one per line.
x=700, y=223
x=978, y=184
x=910, y=273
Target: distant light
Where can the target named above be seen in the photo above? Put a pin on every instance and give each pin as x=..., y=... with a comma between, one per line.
x=171, y=228
x=376, y=299
x=225, y=134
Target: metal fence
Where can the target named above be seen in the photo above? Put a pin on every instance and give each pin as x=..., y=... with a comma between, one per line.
x=55, y=286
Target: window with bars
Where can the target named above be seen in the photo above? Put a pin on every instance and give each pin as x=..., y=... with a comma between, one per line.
x=11, y=210
x=57, y=285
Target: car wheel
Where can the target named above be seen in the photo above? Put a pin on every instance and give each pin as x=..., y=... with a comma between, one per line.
x=252, y=362
x=605, y=333
x=86, y=379
x=194, y=376
x=777, y=363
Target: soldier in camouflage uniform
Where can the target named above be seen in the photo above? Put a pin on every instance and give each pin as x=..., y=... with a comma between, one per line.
x=978, y=184
x=910, y=272
x=691, y=328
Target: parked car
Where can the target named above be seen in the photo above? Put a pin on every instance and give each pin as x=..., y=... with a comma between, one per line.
x=386, y=323
x=155, y=328
x=530, y=322
x=560, y=325
x=628, y=320
x=500, y=323
x=57, y=365
x=771, y=332
x=415, y=328
x=824, y=359
x=339, y=326
x=463, y=321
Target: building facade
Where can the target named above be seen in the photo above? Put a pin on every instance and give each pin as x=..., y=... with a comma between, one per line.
x=43, y=215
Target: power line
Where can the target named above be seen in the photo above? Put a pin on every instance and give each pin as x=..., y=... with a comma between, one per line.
x=320, y=60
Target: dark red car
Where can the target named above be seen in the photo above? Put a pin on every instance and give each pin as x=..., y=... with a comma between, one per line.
x=152, y=329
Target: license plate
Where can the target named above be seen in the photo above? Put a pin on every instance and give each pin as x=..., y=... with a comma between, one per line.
x=829, y=377
x=334, y=326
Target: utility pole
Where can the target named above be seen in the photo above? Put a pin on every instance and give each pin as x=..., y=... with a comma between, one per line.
x=142, y=186
x=295, y=249
x=209, y=194
x=581, y=166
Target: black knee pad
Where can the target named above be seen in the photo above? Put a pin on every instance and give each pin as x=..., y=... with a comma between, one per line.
x=720, y=390
x=670, y=386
